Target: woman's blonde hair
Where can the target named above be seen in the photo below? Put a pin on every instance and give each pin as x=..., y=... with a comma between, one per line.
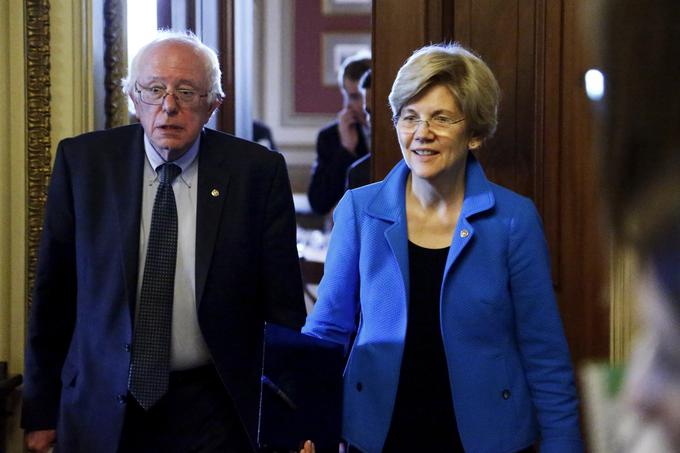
x=465, y=74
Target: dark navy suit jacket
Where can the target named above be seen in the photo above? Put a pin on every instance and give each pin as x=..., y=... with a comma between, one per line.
x=77, y=354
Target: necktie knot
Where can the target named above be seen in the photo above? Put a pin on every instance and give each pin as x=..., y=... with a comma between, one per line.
x=168, y=172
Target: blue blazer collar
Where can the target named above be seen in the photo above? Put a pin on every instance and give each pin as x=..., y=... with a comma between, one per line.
x=478, y=194
x=389, y=203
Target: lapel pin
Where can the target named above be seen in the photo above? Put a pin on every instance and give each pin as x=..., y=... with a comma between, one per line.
x=215, y=193
x=464, y=233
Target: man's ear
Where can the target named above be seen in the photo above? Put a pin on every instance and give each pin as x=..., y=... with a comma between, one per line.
x=214, y=105
x=135, y=103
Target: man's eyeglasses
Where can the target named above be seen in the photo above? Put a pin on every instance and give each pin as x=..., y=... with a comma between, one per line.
x=439, y=123
x=156, y=94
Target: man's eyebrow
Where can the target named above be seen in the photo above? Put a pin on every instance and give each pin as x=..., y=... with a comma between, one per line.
x=191, y=83
x=180, y=82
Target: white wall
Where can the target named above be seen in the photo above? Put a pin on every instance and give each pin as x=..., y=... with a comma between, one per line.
x=295, y=134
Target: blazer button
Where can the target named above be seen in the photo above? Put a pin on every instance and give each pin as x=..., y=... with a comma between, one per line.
x=122, y=399
x=360, y=386
x=127, y=347
x=506, y=394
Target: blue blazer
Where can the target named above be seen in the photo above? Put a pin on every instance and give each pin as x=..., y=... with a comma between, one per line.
x=511, y=378
x=78, y=343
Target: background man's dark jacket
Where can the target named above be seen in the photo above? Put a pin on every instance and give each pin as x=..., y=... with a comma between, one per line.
x=330, y=170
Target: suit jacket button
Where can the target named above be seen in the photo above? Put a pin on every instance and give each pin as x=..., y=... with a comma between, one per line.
x=360, y=386
x=127, y=347
x=122, y=399
x=506, y=394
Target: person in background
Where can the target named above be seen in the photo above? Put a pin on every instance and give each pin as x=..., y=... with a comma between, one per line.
x=262, y=134
x=640, y=172
x=460, y=346
x=165, y=247
x=359, y=173
x=341, y=142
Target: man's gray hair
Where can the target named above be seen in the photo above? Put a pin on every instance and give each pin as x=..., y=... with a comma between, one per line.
x=209, y=57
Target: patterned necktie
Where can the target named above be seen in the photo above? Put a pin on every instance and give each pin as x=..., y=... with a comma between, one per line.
x=150, y=364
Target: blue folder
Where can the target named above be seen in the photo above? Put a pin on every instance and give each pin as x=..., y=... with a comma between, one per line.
x=300, y=391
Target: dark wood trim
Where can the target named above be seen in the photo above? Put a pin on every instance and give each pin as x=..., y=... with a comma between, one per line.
x=548, y=143
x=226, y=120
x=390, y=50
x=448, y=19
x=462, y=22
x=584, y=307
x=434, y=22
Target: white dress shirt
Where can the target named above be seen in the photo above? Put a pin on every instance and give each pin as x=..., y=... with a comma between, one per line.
x=188, y=349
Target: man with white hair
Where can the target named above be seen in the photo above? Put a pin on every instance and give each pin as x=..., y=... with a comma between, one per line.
x=165, y=247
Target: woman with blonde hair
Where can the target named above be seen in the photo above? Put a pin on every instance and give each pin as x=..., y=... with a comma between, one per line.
x=459, y=344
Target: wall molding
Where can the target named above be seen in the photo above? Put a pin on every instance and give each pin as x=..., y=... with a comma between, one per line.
x=292, y=131
x=115, y=62
x=38, y=128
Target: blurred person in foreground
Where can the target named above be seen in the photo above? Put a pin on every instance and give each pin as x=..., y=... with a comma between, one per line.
x=640, y=171
x=460, y=345
x=165, y=247
x=341, y=142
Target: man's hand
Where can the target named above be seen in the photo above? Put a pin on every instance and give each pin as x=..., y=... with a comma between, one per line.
x=349, y=135
x=40, y=441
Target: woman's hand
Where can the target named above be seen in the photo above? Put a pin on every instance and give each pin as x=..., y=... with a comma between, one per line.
x=42, y=440
x=308, y=447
